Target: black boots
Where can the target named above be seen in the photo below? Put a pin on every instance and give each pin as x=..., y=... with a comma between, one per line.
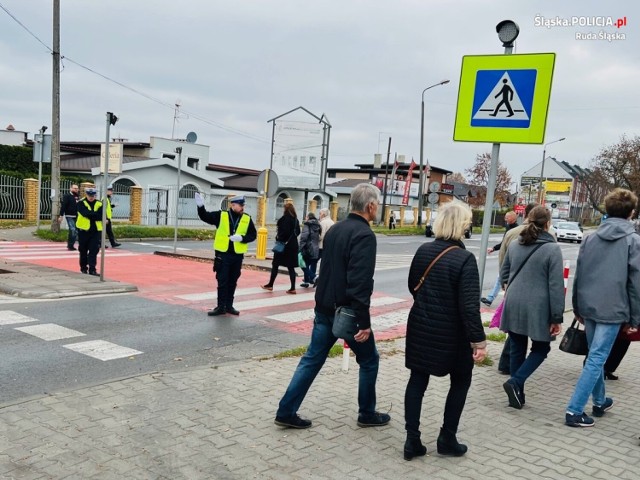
x=448, y=444
x=413, y=448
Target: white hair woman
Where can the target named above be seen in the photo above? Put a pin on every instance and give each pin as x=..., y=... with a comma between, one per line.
x=444, y=331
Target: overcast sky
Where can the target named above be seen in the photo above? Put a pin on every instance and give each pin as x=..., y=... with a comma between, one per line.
x=235, y=64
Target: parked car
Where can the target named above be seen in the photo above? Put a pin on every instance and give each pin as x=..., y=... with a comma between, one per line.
x=569, y=232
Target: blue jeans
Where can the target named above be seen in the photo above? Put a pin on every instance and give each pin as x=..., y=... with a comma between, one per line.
x=310, y=270
x=600, y=337
x=496, y=289
x=73, y=232
x=523, y=366
x=311, y=362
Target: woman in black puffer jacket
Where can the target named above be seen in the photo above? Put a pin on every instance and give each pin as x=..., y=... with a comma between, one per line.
x=444, y=330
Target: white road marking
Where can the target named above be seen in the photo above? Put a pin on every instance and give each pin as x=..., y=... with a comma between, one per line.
x=386, y=261
x=8, y=317
x=195, y=297
x=102, y=350
x=274, y=301
x=390, y=319
x=307, y=314
x=50, y=331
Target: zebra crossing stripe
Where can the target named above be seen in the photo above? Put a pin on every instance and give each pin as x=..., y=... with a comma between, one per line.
x=274, y=301
x=196, y=297
x=10, y=318
x=50, y=331
x=102, y=350
x=307, y=314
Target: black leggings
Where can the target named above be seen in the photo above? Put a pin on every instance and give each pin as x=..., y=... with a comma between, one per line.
x=292, y=276
x=456, y=398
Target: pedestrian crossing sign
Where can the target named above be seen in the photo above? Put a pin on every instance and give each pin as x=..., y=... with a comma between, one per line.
x=504, y=98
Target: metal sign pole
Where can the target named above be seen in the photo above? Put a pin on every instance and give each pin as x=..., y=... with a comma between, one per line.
x=175, y=230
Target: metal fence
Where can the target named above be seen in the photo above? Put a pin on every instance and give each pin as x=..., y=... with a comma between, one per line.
x=11, y=197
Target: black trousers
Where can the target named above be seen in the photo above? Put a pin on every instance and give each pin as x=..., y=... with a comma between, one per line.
x=228, y=267
x=109, y=231
x=456, y=399
x=618, y=351
x=88, y=247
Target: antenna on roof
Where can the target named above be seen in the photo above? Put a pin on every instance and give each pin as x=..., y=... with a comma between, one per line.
x=176, y=114
x=192, y=137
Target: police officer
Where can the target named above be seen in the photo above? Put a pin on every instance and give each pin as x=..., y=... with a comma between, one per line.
x=89, y=225
x=109, y=206
x=234, y=230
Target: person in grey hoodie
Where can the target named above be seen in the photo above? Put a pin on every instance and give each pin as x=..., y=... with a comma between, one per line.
x=606, y=294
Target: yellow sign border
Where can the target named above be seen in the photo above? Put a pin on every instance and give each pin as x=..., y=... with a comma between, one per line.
x=542, y=62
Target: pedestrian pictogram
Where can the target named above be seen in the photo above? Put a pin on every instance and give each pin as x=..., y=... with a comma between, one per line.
x=504, y=98
x=501, y=101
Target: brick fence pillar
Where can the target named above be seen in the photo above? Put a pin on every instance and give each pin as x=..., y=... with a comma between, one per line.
x=30, y=199
x=135, y=206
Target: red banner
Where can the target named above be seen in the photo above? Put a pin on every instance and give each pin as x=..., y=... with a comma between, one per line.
x=407, y=185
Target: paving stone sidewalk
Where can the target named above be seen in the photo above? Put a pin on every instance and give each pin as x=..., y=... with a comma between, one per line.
x=217, y=423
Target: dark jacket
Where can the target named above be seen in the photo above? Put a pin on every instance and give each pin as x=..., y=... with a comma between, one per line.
x=445, y=317
x=288, y=231
x=348, y=264
x=69, y=206
x=310, y=239
x=606, y=286
x=510, y=226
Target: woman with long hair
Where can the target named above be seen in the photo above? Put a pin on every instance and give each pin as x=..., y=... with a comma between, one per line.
x=288, y=229
x=534, y=300
x=444, y=329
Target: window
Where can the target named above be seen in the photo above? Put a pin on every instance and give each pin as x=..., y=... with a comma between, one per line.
x=192, y=163
x=168, y=155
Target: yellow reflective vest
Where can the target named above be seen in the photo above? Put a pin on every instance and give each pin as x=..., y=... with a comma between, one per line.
x=221, y=242
x=83, y=223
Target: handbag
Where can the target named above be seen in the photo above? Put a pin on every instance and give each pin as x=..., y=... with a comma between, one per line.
x=301, y=262
x=278, y=247
x=575, y=340
x=345, y=324
x=631, y=337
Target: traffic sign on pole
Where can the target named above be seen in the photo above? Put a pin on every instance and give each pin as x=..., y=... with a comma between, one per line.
x=504, y=98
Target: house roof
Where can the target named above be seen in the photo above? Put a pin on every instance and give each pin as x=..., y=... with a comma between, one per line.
x=236, y=170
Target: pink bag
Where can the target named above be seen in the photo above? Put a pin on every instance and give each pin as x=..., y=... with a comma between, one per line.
x=497, y=316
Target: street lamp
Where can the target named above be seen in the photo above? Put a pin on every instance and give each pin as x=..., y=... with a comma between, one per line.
x=544, y=154
x=420, y=194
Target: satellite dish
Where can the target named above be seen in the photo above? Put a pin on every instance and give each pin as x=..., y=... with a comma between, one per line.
x=192, y=137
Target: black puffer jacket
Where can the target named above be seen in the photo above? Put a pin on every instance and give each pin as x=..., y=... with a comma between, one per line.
x=445, y=317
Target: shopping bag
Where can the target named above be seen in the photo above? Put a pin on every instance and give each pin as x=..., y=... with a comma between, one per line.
x=497, y=316
x=301, y=262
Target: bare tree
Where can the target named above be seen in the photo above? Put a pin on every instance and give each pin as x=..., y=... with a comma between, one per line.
x=457, y=177
x=478, y=175
x=616, y=165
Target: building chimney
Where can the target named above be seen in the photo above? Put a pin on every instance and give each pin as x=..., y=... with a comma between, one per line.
x=377, y=160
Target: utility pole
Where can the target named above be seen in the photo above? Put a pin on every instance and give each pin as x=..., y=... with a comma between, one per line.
x=55, y=121
x=386, y=178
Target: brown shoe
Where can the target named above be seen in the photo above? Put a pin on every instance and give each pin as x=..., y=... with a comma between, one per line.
x=266, y=287
x=292, y=291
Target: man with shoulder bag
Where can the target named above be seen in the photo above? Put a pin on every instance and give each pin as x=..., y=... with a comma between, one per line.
x=348, y=264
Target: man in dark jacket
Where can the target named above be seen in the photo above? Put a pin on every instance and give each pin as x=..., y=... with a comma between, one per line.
x=234, y=230
x=348, y=264
x=69, y=210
